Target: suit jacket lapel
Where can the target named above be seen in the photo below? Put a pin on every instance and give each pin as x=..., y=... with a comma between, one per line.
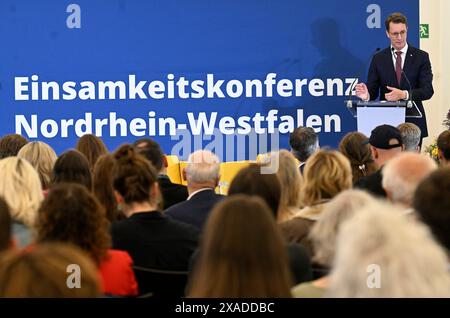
x=409, y=59
x=390, y=68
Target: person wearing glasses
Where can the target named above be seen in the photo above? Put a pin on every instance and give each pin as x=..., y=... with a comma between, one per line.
x=399, y=72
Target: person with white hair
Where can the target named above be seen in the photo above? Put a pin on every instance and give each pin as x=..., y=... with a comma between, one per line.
x=323, y=236
x=411, y=136
x=402, y=175
x=382, y=254
x=202, y=174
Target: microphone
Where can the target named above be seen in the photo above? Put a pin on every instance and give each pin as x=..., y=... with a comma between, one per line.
x=409, y=100
x=349, y=102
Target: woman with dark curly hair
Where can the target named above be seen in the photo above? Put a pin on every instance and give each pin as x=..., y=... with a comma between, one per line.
x=71, y=214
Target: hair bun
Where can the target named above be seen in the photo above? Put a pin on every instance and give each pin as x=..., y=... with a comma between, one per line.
x=125, y=154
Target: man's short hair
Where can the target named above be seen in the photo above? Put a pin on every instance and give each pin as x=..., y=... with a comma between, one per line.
x=443, y=143
x=411, y=135
x=432, y=203
x=395, y=17
x=151, y=150
x=303, y=141
x=203, y=166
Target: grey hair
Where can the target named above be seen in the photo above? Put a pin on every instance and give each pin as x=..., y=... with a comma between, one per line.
x=336, y=212
x=409, y=262
x=410, y=135
x=402, y=175
x=203, y=166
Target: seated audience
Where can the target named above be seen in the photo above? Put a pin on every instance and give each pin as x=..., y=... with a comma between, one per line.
x=354, y=146
x=228, y=267
x=42, y=157
x=202, y=175
x=44, y=272
x=71, y=214
x=382, y=254
x=172, y=193
x=21, y=188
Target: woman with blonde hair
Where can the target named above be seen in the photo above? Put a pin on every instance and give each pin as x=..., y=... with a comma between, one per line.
x=290, y=180
x=42, y=157
x=242, y=253
x=21, y=188
x=326, y=174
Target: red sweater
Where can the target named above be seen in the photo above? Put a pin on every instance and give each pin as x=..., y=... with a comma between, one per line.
x=117, y=276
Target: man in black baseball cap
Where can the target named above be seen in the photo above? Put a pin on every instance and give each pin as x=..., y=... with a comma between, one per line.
x=385, y=143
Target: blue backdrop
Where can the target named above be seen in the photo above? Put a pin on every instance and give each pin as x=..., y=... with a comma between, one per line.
x=243, y=40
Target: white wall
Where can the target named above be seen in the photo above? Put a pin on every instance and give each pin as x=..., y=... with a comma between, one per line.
x=437, y=14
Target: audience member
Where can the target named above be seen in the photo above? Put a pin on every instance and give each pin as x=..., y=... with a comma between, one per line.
x=385, y=143
x=42, y=157
x=45, y=271
x=11, y=144
x=202, y=175
x=152, y=239
x=228, y=267
x=380, y=253
x=21, y=188
x=172, y=193
x=304, y=142
x=327, y=173
x=323, y=237
x=410, y=136
x=432, y=203
x=102, y=186
x=92, y=147
x=355, y=147
x=443, y=145
x=71, y=214
x=72, y=167
x=402, y=175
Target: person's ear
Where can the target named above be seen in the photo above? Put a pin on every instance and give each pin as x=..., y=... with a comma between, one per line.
x=119, y=197
x=387, y=34
x=183, y=175
x=165, y=163
x=374, y=152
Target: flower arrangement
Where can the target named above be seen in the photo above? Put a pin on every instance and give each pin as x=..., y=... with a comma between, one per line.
x=432, y=149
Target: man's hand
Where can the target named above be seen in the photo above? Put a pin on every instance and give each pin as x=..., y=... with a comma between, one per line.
x=362, y=91
x=395, y=94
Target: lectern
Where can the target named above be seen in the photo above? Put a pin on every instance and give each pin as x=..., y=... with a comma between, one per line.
x=374, y=113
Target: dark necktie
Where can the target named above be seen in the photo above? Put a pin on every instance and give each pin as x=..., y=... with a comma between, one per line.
x=398, y=66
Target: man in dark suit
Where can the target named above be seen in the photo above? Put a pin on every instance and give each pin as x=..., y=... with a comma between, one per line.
x=393, y=67
x=202, y=176
x=172, y=193
x=304, y=142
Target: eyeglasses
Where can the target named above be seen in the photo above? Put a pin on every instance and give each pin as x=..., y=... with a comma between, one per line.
x=396, y=34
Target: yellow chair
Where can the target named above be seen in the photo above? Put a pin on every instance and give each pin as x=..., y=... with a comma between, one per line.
x=173, y=169
x=228, y=171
